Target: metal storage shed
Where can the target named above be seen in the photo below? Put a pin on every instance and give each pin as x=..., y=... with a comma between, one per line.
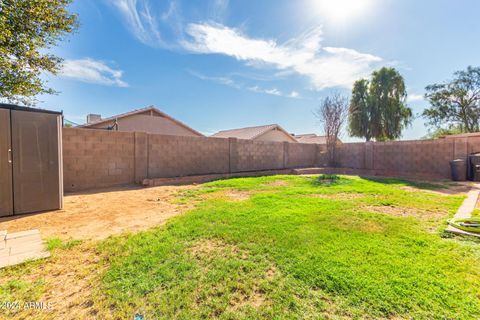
x=31, y=176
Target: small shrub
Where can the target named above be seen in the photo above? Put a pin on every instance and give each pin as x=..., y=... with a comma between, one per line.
x=327, y=179
x=446, y=235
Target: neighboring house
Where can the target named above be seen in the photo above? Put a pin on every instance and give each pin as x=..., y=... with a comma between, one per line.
x=462, y=135
x=312, y=138
x=150, y=120
x=271, y=132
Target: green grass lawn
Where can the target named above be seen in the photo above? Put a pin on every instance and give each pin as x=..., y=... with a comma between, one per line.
x=304, y=248
x=295, y=247
x=476, y=213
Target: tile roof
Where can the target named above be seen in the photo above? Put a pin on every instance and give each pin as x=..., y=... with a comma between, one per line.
x=311, y=138
x=249, y=132
x=461, y=135
x=138, y=111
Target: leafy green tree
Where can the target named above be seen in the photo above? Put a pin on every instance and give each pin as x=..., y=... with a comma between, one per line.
x=377, y=107
x=359, y=111
x=27, y=29
x=455, y=103
x=441, y=132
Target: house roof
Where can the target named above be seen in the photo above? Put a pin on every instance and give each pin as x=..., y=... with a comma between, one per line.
x=462, y=135
x=305, y=135
x=250, y=132
x=139, y=111
x=312, y=138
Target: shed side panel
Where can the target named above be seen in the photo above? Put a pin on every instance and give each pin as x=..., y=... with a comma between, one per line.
x=6, y=196
x=35, y=161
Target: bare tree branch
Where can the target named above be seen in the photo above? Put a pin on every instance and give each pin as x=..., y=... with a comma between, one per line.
x=332, y=114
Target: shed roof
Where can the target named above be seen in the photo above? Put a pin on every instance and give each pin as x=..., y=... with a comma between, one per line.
x=21, y=108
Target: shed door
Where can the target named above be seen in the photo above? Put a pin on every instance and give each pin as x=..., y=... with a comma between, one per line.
x=6, y=195
x=36, y=185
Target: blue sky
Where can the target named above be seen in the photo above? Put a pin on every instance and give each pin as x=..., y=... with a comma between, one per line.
x=219, y=64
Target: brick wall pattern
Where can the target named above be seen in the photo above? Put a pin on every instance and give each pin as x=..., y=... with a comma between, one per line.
x=99, y=158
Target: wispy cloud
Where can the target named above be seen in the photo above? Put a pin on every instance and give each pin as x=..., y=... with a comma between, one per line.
x=415, y=97
x=274, y=91
x=218, y=9
x=145, y=23
x=221, y=80
x=324, y=66
x=234, y=84
x=92, y=71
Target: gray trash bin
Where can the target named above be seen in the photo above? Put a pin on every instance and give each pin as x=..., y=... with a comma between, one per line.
x=473, y=167
x=458, y=169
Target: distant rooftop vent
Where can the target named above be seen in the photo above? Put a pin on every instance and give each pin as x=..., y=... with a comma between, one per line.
x=92, y=118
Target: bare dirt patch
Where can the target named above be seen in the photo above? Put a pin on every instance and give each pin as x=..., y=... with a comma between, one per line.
x=254, y=300
x=238, y=195
x=271, y=272
x=405, y=212
x=208, y=246
x=101, y=213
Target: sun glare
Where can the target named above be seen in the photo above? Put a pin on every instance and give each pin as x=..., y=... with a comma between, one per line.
x=341, y=11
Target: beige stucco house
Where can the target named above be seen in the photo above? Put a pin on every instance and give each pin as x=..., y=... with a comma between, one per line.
x=271, y=132
x=149, y=119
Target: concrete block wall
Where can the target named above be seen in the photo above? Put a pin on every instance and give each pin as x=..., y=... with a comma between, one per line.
x=141, y=156
x=428, y=157
x=97, y=158
x=301, y=155
x=473, y=145
x=100, y=158
x=258, y=155
x=351, y=155
x=174, y=156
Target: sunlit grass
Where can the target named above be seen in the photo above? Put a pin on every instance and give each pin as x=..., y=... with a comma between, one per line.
x=299, y=249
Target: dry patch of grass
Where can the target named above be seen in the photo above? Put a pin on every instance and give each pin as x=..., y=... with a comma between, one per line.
x=405, y=212
x=276, y=183
x=338, y=196
x=68, y=279
x=452, y=190
x=237, y=195
x=254, y=300
x=361, y=225
x=229, y=195
x=207, y=247
x=210, y=252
